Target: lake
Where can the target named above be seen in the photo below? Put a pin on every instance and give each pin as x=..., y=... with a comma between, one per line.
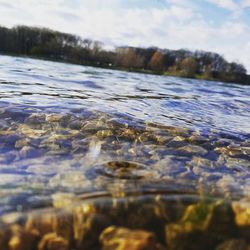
x=95, y=158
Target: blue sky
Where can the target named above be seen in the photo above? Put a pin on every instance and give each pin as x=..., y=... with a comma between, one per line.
x=221, y=26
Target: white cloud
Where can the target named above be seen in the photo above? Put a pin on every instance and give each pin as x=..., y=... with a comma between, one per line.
x=187, y=3
x=179, y=25
x=227, y=4
x=232, y=5
x=180, y=12
x=245, y=3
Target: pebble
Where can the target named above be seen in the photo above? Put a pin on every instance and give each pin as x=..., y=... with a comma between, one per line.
x=52, y=241
x=242, y=213
x=22, y=143
x=71, y=179
x=28, y=152
x=193, y=150
x=35, y=120
x=118, y=238
x=53, y=117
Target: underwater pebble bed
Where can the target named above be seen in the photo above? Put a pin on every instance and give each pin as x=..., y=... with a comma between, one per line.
x=162, y=163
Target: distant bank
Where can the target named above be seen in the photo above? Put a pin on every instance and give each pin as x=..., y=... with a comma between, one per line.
x=54, y=45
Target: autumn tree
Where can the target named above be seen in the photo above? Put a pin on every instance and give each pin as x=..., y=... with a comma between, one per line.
x=188, y=67
x=156, y=62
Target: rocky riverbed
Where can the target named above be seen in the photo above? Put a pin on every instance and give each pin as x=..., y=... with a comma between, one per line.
x=89, y=165
x=157, y=198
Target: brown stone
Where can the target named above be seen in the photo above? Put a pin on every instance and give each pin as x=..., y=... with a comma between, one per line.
x=53, y=242
x=22, y=239
x=202, y=226
x=193, y=150
x=87, y=226
x=118, y=238
x=27, y=152
x=43, y=224
x=54, y=117
x=242, y=217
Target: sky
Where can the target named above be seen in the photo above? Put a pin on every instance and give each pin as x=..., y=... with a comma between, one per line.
x=221, y=26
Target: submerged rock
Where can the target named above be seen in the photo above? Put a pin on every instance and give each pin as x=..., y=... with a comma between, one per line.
x=22, y=143
x=121, y=170
x=21, y=239
x=193, y=150
x=53, y=242
x=136, y=165
x=202, y=226
x=118, y=238
x=71, y=179
x=35, y=120
x=54, y=117
x=28, y=152
x=242, y=217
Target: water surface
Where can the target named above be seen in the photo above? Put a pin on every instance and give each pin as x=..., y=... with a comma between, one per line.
x=81, y=137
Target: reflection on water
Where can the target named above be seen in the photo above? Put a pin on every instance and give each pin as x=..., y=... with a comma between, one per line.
x=122, y=160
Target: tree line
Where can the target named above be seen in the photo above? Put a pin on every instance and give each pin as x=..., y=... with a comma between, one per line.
x=54, y=45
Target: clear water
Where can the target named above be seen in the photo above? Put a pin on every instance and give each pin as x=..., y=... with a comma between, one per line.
x=91, y=132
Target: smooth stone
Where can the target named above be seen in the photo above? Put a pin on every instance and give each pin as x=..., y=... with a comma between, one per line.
x=237, y=162
x=201, y=162
x=35, y=120
x=22, y=143
x=71, y=179
x=28, y=152
x=177, y=142
x=198, y=139
x=52, y=241
x=30, y=132
x=75, y=124
x=21, y=239
x=230, y=151
x=119, y=238
x=242, y=217
x=121, y=169
x=54, y=117
x=192, y=150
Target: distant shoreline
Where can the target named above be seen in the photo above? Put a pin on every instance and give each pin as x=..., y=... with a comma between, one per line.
x=46, y=44
x=197, y=77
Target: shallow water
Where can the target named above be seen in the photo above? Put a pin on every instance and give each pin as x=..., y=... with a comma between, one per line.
x=97, y=140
